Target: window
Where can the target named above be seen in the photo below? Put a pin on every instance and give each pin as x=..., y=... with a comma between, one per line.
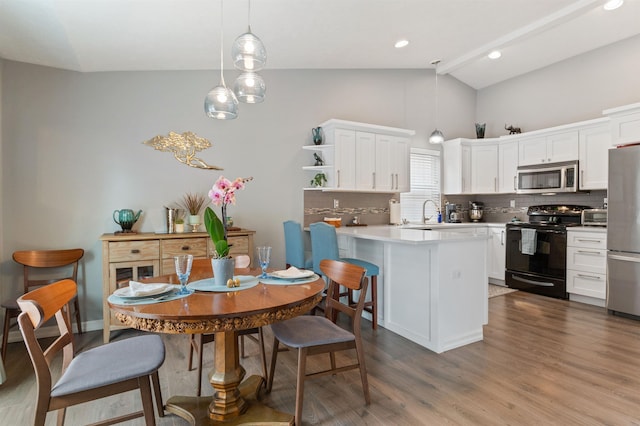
x=425, y=185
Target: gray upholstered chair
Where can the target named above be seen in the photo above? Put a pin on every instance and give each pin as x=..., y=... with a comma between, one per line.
x=313, y=335
x=99, y=372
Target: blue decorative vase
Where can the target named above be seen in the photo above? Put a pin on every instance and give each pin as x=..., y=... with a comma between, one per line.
x=222, y=271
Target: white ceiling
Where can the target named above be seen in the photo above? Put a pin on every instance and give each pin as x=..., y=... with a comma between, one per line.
x=125, y=35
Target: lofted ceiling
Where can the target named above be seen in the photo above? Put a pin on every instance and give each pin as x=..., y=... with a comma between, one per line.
x=136, y=35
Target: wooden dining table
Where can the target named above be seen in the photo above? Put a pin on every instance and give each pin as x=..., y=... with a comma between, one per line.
x=235, y=400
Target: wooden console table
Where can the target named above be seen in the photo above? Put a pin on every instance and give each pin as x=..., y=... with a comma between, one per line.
x=136, y=256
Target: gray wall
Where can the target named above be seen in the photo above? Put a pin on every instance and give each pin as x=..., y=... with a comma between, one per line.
x=573, y=90
x=73, y=150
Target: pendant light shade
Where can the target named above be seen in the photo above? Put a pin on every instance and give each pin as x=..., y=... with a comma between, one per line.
x=436, y=136
x=250, y=88
x=248, y=51
x=221, y=102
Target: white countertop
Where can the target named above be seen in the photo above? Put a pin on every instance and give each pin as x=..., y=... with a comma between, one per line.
x=596, y=229
x=411, y=235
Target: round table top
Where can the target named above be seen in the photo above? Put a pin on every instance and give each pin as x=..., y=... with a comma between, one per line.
x=206, y=312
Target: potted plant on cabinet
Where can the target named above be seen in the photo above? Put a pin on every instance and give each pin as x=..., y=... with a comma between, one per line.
x=194, y=203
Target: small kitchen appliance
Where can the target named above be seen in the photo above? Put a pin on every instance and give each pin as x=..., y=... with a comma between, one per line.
x=451, y=214
x=548, y=178
x=594, y=217
x=476, y=210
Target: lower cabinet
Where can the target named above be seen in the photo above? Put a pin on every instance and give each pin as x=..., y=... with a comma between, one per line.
x=128, y=257
x=497, y=254
x=587, y=266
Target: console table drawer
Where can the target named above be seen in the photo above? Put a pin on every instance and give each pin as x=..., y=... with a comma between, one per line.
x=129, y=251
x=195, y=246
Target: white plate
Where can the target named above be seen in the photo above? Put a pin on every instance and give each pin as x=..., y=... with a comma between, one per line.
x=125, y=292
x=292, y=275
x=207, y=284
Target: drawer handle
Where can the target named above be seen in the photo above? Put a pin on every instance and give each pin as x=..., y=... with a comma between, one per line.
x=597, y=253
x=592, y=277
x=589, y=240
x=185, y=248
x=135, y=251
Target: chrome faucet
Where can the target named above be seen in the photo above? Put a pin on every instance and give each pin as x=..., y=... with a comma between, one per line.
x=424, y=206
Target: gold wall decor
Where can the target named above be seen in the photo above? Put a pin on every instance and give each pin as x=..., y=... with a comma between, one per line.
x=184, y=147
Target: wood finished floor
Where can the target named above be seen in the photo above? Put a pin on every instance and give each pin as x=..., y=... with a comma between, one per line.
x=542, y=362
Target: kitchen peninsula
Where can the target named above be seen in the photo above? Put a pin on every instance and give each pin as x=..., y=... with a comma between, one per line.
x=434, y=282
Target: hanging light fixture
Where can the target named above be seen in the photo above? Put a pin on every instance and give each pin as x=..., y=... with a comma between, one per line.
x=250, y=88
x=436, y=135
x=248, y=52
x=221, y=102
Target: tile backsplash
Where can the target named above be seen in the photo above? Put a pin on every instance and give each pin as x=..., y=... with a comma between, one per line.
x=373, y=209
x=497, y=208
x=370, y=208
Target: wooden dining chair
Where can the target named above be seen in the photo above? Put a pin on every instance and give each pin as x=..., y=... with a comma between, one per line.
x=57, y=263
x=313, y=335
x=106, y=370
x=196, y=341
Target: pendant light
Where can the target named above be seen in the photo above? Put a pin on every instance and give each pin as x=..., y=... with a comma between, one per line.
x=436, y=136
x=249, y=87
x=221, y=102
x=248, y=52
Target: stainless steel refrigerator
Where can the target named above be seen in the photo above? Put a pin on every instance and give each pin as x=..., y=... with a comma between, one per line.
x=623, y=231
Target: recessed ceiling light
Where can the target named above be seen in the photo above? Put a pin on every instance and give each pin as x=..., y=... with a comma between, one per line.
x=613, y=4
x=494, y=55
x=401, y=43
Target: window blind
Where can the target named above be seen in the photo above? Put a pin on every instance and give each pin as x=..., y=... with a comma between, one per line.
x=425, y=185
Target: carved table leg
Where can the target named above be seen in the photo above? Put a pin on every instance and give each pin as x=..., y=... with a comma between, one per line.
x=233, y=402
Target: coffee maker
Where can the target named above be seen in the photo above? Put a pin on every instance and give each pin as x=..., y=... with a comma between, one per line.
x=451, y=214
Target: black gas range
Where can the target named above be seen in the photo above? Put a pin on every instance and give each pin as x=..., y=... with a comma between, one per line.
x=537, y=250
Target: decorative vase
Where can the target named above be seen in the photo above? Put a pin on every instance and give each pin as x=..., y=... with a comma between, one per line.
x=316, y=132
x=179, y=227
x=222, y=270
x=194, y=221
x=480, y=130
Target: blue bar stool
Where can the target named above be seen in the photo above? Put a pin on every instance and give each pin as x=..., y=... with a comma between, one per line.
x=324, y=245
x=294, y=246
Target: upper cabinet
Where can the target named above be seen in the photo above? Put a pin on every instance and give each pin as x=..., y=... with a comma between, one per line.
x=594, y=144
x=551, y=148
x=363, y=157
x=625, y=124
x=507, y=166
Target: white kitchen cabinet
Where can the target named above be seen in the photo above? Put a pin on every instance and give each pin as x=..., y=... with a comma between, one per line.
x=363, y=157
x=548, y=148
x=456, y=166
x=497, y=254
x=484, y=168
x=392, y=157
x=625, y=124
x=587, y=265
x=507, y=166
x=594, y=144
x=365, y=161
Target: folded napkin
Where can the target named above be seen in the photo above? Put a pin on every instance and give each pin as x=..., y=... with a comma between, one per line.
x=137, y=289
x=293, y=272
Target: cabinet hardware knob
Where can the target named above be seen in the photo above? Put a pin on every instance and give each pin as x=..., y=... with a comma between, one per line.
x=135, y=251
x=185, y=248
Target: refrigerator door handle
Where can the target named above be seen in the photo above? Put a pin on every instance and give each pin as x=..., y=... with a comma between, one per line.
x=624, y=258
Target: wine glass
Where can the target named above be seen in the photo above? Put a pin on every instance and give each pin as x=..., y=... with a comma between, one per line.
x=183, y=269
x=264, y=253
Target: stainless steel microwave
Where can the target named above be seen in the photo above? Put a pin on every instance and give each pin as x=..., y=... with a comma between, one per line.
x=548, y=178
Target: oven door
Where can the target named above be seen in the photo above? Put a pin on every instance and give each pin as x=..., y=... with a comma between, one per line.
x=549, y=257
